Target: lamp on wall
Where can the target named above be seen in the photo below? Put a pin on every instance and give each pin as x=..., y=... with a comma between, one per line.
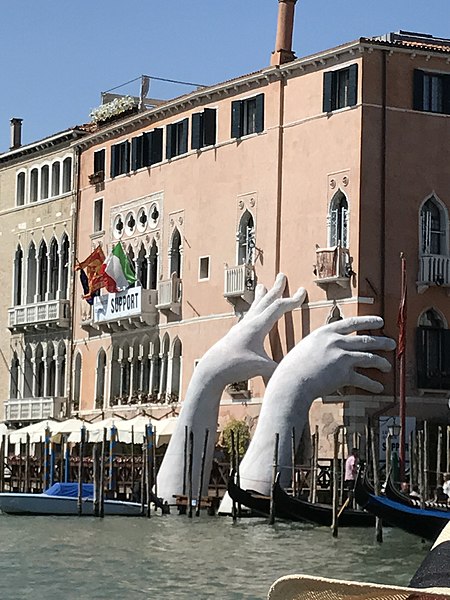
x=394, y=429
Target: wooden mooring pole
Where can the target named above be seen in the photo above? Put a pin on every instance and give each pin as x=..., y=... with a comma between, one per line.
x=190, y=472
x=334, y=525
x=293, y=453
x=80, y=470
x=376, y=482
x=202, y=474
x=233, y=470
x=95, y=474
x=274, y=477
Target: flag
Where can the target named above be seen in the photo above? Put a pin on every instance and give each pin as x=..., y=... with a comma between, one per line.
x=117, y=270
x=85, y=285
x=93, y=279
x=401, y=319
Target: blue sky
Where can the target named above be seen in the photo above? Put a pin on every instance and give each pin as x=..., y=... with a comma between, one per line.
x=57, y=56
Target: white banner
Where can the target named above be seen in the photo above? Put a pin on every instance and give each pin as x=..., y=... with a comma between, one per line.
x=111, y=307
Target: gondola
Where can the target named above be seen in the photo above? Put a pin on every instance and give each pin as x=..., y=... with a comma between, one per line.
x=294, y=509
x=393, y=493
x=425, y=523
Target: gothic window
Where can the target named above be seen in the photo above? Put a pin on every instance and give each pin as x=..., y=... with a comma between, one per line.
x=115, y=375
x=61, y=365
x=100, y=383
x=153, y=267
x=246, y=239
x=18, y=274
x=176, y=367
x=125, y=369
x=338, y=216
x=53, y=261
x=67, y=175
x=45, y=177
x=51, y=372
x=14, y=377
x=34, y=178
x=142, y=267
x=433, y=352
x=164, y=364
x=77, y=382
x=28, y=373
x=175, y=254
x=39, y=372
x=20, y=189
x=56, y=170
x=156, y=366
x=433, y=224
x=31, y=273
x=42, y=272
x=65, y=258
x=335, y=315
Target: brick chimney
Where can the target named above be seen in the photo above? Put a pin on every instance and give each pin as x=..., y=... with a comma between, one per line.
x=16, y=133
x=285, y=28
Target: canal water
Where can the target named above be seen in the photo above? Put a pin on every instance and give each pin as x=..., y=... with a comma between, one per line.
x=173, y=557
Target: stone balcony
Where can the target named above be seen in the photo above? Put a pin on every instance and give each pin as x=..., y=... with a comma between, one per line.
x=333, y=266
x=170, y=294
x=35, y=409
x=434, y=270
x=239, y=286
x=40, y=315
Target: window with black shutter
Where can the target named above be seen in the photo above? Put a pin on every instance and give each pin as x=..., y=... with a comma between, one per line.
x=432, y=353
x=177, y=138
x=120, y=158
x=203, y=129
x=431, y=92
x=247, y=116
x=340, y=88
x=99, y=162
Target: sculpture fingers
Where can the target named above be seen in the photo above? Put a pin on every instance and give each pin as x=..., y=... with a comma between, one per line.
x=352, y=324
x=280, y=307
x=366, y=343
x=275, y=292
x=365, y=383
x=260, y=292
x=367, y=360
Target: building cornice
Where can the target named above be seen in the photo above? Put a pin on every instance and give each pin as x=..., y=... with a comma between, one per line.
x=46, y=144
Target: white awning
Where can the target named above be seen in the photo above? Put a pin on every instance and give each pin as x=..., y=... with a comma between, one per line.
x=36, y=431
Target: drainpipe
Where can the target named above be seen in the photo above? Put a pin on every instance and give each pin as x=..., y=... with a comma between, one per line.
x=383, y=185
x=280, y=151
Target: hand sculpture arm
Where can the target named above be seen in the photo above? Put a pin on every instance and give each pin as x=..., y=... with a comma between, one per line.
x=321, y=363
x=238, y=356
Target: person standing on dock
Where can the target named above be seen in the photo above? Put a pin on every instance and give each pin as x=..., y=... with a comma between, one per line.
x=351, y=469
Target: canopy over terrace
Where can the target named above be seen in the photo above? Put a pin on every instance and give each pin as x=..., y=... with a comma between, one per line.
x=36, y=431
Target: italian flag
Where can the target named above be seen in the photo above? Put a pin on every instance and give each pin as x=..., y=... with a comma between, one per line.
x=117, y=270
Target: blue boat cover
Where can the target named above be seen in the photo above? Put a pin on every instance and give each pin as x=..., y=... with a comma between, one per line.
x=70, y=490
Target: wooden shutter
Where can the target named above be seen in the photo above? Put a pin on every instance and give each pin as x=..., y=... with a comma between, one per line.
x=136, y=158
x=197, y=130
x=445, y=358
x=209, y=126
x=236, y=119
x=146, y=149
x=259, y=120
x=183, y=133
x=169, y=144
x=418, y=90
x=352, y=85
x=99, y=161
x=327, y=92
x=446, y=94
x=156, y=153
x=126, y=157
x=114, y=161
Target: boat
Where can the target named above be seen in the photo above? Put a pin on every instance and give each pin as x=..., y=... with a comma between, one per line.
x=393, y=493
x=294, y=509
x=426, y=523
x=61, y=499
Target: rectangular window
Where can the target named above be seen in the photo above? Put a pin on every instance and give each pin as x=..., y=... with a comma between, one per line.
x=177, y=138
x=98, y=215
x=203, y=270
x=203, y=129
x=247, y=116
x=146, y=149
x=99, y=162
x=432, y=92
x=340, y=88
x=120, y=159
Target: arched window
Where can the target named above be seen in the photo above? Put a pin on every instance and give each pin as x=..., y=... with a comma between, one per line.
x=100, y=380
x=142, y=267
x=56, y=172
x=18, y=276
x=61, y=366
x=28, y=373
x=42, y=272
x=31, y=273
x=34, y=178
x=51, y=372
x=45, y=178
x=67, y=175
x=115, y=375
x=246, y=239
x=125, y=371
x=338, y=219
x=433, y=226
x=20, y=189
x=145, y=367
x=175, y=383
x=65, y=258
x=53, y=260
x=77, y=382
x=164, y=365
x=14, y=377
x=175, y=254
x=155, y=367
x=433, y=352
x=131, y=258
x=153, y=267
x=335, y=315
x=39, y=372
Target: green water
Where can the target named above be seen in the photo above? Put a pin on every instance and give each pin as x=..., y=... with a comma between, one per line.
x=69, y=558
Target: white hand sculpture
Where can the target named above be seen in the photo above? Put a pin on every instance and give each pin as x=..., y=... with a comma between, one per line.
x=318, y=365
x=238, y=356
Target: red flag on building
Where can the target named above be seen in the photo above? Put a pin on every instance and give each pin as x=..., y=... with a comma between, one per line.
x=401, y=320
x=92, y=265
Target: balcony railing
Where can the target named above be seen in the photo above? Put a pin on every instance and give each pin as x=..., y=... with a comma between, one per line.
x=170, y=294
x=128, y=308
x=239, y=281
x=50, y=313
x=333, y=265
x=35, y=409
x=434, y=269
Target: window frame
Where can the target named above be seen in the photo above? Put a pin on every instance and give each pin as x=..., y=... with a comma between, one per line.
x=239, y=116
x=97, y=202
x=332, y=88
x=208, y=276
x=419, y=79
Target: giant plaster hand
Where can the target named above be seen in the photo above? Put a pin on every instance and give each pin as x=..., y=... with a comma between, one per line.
x=324, y=361
x=238, y=356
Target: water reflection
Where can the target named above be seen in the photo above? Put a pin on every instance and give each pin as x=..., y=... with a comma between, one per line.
x=175, y=557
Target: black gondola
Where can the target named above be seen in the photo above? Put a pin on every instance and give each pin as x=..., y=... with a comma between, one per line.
x=426, y=523
x=393, y=493
x=294, y=509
